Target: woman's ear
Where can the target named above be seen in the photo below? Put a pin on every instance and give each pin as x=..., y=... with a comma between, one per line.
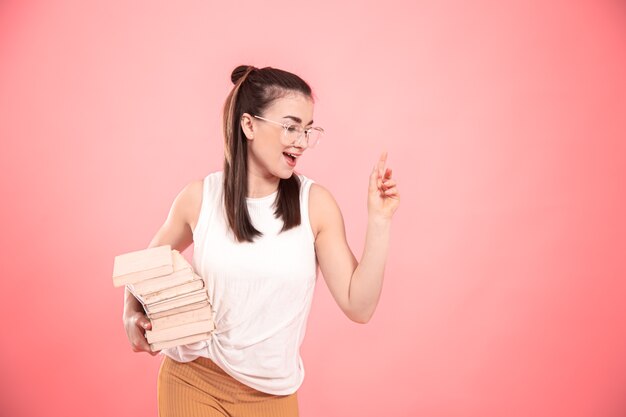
x=247, y=126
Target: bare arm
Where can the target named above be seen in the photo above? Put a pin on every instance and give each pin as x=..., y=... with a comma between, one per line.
x=356, y=286
x=176, y=231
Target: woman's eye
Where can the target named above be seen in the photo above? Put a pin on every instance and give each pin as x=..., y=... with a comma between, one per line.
x=292, y=128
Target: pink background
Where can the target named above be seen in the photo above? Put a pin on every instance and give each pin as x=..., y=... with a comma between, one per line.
x=505, y=125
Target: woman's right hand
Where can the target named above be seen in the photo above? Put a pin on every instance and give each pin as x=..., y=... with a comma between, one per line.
x=136, y=323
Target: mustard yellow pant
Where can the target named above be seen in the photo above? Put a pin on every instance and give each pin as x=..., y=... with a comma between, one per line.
x=201, y=388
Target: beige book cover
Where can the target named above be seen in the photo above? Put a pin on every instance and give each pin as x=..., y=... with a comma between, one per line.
x=170, y=293
x=183, y=272
x=177, y=310
x=179, y=331
x=182, y=341
x=185, y=317
x=143, y=264
x=194, y=297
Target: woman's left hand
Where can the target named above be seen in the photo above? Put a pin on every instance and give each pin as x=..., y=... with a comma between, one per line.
x=383, y=196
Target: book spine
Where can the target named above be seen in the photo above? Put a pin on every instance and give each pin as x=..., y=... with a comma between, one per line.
x=177, y=342
x=142, y=275
x=201, y=295
x=179, y=331
x=163, y=282
x=176, y=310
x=172, y=292
x=185, y=317
x=144, y=259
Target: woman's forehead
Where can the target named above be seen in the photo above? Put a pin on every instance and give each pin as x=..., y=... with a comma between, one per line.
x=297, y=105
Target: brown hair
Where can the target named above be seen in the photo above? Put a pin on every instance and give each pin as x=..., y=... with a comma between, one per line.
x=255, y=89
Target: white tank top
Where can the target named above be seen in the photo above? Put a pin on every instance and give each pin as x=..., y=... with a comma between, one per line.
x=261, y=292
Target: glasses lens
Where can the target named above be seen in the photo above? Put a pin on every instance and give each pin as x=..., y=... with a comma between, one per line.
x=313, y=136
x=292, y=132
x=295, y=133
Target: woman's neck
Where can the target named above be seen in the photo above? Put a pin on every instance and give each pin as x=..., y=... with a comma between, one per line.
x=261, y=186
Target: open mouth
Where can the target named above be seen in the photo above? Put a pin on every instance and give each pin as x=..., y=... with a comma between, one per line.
x=289, y=156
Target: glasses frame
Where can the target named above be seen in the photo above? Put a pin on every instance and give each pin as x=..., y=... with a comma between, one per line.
x=305, y=132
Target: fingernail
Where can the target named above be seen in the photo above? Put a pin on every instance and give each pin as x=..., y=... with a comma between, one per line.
x=145, y=325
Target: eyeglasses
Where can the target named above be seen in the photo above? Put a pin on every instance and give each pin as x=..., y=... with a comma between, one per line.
x=294, y=132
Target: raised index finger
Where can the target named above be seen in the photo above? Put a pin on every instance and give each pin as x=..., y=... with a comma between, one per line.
x=381, y=164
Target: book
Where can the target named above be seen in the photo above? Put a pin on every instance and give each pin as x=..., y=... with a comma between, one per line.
x=182, y=341
x=182, y=309
x=177, y=332
x=173, y=296
x=143, y=264
x=171, y=303
x=177, y=319
x=182, y=273
x=172, y=292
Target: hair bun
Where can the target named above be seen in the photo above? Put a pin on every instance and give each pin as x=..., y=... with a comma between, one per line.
x=239, y=72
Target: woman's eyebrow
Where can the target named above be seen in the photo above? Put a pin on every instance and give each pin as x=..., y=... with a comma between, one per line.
x=297, y=119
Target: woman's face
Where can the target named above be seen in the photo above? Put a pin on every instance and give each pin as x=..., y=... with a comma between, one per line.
x=267, y=144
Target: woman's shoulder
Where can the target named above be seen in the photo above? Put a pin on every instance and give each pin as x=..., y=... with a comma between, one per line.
x=323, y=208
x=193, y=189
x=196, y=186
x=192, y=194
x=320, y=196
x=191, y=200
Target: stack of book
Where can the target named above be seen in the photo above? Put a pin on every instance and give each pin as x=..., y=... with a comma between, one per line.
x=172, y=294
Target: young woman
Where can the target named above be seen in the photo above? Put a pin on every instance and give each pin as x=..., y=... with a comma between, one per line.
x=260, y=230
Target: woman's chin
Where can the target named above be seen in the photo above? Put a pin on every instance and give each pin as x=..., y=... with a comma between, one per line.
x=284, y=173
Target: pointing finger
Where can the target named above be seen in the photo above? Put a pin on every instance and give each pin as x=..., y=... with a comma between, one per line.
x=381, y=163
